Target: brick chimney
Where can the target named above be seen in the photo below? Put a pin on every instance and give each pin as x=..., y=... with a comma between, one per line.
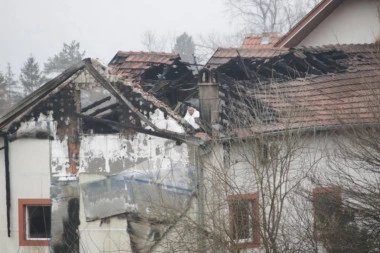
x=209, y=103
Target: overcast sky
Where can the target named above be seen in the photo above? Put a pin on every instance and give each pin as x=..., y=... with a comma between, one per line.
x=40, y=27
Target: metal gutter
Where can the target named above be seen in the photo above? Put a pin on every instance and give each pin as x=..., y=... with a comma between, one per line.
x=7, y=180
x=302, y=130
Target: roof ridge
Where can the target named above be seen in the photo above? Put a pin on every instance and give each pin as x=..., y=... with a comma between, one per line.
x=151, y=53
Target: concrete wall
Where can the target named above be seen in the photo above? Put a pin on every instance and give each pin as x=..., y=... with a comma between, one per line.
x=29, y=178
x=352, y=22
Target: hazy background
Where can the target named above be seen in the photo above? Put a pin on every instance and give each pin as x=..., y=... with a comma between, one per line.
x=40, y=27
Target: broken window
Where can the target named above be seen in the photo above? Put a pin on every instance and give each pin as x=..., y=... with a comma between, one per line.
x=267, y=152
x=34, y=222
x=327, y=203
x=244, y=220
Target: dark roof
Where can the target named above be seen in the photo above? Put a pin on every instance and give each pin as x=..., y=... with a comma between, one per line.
x=161, y=74
x=343, y=90
x=308, y=23
x=223, y=55
x=125, y=105
x=131, y=65
x=265, y=40
x=27, y=103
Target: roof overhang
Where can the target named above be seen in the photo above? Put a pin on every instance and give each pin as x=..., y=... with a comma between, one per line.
x=308, y=23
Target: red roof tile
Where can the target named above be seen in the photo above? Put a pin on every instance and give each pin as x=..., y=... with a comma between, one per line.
x=131, y=65
x=322, y=101
x=224, y=55
x=266, y=40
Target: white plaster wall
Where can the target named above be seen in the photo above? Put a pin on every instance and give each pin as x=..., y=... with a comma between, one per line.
x=106, y=237
x=221, y=181
x=352, y=22
x=29, y=178
x=141, y=152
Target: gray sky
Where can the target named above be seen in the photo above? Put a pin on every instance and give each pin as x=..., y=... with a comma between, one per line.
x=40, y=27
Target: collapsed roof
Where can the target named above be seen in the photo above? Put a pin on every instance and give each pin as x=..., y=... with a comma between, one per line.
x=88, y=115
x=84, y=92
x=223, y=55
x=163, y=75
x=303, y=88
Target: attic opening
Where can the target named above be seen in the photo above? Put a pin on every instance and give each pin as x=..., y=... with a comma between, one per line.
x=265, y=40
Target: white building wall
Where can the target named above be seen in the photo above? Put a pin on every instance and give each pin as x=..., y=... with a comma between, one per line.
x=98, y=236
x=310, y=158
x=352, y=22
x=29, y=178
x=106, y=155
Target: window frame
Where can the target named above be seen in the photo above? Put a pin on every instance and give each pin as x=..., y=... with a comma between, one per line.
x=22, y=222
x=253, y=199
x=324, y=190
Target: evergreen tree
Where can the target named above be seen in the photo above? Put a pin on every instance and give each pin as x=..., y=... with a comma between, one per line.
x=185, y=47
x=69, y=55
x=31, y=78
x=3, y=94
x=13, y=92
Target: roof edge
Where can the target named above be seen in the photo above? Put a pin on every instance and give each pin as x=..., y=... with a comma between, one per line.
x=32, y=99
x=325, y=7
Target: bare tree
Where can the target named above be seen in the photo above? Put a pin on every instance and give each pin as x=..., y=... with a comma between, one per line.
x=206, y=45
x=355, y=171
x=153, y=42
x=257, y=16
x=249, y=187
x=351, y=223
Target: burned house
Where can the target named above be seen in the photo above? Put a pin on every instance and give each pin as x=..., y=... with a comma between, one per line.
x=284, y=115
x=89, y=159
x=98, y=159
x=292, y=118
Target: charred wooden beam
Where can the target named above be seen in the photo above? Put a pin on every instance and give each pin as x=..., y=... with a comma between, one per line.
x=96, y=103
x=304, y=67
x=159, y=133
x=287, y=70
x=110, y=107
x=322, y=66
x=339, y=60
x=159, y=85
x=271, y=73
x=116, y=93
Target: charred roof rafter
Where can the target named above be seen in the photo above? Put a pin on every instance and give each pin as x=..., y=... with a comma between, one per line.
x=96, y=103
x=316, y=83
